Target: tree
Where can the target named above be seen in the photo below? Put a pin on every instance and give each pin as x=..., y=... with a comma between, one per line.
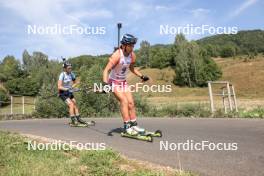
x=144, y=54
x=48, y=104
x=228, y=51
x=22, y=86
x=95, y=104
x=4, y=98
x=182, y=69
x=34, y=62
x=160, y=57
x=193, y=65
x=10, y=68
x=211, y=50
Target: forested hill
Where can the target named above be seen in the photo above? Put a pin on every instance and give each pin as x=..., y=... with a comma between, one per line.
x=226, y=45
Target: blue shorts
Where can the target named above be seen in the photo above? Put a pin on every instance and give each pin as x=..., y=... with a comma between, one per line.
x=64, y=95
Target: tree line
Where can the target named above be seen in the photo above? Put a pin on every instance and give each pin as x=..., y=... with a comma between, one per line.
x=36, y=75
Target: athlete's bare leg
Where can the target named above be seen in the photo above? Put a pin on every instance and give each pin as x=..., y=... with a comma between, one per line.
x=131, y=106
x=76, y=110
x=121, y=96
x=71, y=106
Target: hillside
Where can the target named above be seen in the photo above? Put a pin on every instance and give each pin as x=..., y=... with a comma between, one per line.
x=225, y=45
x=247, y=77
x=254, y=38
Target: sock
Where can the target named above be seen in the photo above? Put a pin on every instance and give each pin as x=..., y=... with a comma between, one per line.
x=72, y=119
x=77, y=116
x=133, y=123
x=126, y=125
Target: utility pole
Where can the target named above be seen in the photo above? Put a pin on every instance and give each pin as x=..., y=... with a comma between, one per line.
x=119, y=26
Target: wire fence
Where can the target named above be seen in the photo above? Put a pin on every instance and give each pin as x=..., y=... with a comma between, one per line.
x=18, y=105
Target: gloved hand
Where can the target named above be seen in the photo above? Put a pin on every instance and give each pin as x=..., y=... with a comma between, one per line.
x=75, y=89
x=66, y=89
x=71, y=89
x=144, y=78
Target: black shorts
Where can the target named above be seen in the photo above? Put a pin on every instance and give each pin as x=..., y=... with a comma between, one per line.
x=64, y=95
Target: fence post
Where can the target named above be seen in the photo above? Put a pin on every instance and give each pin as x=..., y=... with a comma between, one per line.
x=234, y=97
x=34, y=104
x=11, y=107
x=229, y=96
x=23, y=105
x=211, y=97
x=223, y=97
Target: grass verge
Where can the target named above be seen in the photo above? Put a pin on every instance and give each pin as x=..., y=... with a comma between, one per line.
x=16, y=160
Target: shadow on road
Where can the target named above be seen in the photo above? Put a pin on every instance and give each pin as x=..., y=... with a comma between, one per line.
x=115, y=130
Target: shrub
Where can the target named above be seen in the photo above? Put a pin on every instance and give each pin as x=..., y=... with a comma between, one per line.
x=4, y=98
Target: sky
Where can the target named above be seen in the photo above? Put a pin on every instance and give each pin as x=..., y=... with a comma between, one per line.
x=142, y=18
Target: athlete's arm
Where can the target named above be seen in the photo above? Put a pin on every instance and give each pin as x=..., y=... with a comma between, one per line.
x=113, y=60
x=106, y=71
x=60, y=86
x=132, y=68
x=75, y=83
x=60, y=83
x=135, y=71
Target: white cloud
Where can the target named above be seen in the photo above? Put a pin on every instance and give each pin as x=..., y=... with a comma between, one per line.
x=200, y=12
x=178, y=6
x=50, y=12
x=93, y=14
x=242, y=7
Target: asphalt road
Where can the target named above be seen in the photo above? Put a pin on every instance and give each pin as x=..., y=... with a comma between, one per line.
x=247, y=135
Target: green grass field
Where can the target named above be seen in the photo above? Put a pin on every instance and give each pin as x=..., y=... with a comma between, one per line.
x=17, y=160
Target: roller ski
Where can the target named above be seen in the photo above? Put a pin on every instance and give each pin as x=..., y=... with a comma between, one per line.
x=131, y=130
x=157, y=133
x=138, y=136
x=145, y=136
x=78, y=122
x=144, y=132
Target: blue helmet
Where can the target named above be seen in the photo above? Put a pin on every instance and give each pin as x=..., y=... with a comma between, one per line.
x=65, y=63
x=128, y=39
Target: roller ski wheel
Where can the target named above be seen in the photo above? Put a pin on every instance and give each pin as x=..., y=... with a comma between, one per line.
x=147, y=138
x=157, y=133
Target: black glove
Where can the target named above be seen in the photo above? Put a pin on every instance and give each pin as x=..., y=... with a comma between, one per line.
x=106, y=87
x=144, y=78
